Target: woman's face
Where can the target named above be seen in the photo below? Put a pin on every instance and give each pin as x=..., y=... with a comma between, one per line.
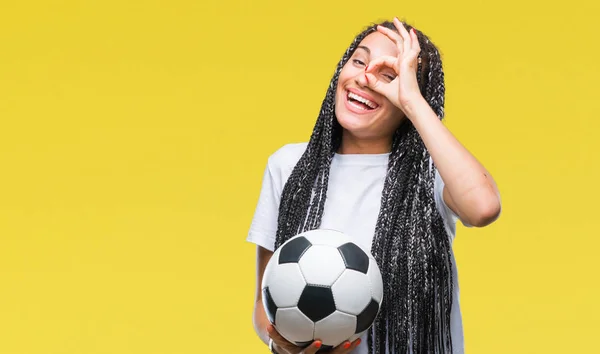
x=362, y=112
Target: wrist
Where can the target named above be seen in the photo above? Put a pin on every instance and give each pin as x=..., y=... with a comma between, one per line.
x=272, y=346
x=414, y=108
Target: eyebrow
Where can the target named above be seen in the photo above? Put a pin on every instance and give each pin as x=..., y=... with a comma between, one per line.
x=366, y=49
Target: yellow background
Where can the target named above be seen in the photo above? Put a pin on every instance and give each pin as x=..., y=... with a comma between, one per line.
x=134, y=135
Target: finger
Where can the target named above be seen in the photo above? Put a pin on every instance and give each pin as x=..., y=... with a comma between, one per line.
x=395, y=37
x=273, y=332
x=384, y=88
x=277, y=338
x=313, y=347
x=415, y=40
x=343, y=348
x=346, y=347
x=385, y=61
x=406, y=39
x=411, y=59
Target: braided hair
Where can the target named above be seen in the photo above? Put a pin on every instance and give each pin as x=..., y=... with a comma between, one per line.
x=410, y=243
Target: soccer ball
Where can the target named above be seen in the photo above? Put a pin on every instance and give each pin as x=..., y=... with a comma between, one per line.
x=321, y=285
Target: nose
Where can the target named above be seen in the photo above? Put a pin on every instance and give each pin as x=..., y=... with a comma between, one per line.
x=361, y=80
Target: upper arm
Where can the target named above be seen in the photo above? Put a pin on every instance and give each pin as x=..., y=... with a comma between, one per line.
x=450, y=203
x=262, y=233
x=259, y=317
x=263, y=256
x=263, y=227
x=484, y=212
x=445, y=205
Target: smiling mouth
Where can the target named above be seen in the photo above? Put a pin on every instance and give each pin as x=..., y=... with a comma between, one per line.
x=360, y=103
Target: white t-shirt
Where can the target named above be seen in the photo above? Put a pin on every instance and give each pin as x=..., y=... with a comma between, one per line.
x=353, y=203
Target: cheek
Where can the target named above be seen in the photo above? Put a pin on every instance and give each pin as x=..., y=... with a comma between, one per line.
x=396, y=115
x=347, y=74
x=392, y=114
x=342, y=82
x=394, y=111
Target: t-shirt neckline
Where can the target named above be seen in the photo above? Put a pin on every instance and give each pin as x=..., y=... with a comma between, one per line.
x=362, y=159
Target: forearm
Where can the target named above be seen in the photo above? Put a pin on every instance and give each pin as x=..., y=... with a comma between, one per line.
x=472, y=189
x=260, y=321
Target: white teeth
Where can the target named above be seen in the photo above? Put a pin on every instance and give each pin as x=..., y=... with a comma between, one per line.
x=357, y=106
x=362, y=99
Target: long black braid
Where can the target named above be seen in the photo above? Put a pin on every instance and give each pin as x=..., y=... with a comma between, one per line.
x=410, y=243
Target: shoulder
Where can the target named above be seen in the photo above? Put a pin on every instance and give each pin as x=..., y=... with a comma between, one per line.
x=279, y=167
x=281, y=163
x=287, y=156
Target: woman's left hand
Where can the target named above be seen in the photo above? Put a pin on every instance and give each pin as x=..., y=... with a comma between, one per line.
x=404, y=89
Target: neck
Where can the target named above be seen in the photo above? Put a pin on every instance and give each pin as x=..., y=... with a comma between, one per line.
x=352, y=145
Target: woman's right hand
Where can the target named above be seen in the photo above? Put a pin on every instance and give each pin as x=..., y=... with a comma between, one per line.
x=282, y=346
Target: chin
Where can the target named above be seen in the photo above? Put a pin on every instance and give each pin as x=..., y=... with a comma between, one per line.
x=353, y=124
x=356, y=123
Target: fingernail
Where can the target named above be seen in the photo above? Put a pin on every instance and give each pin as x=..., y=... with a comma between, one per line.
x=366, y=78
x=318, y=344
x=357, y=341
x=367, y=68
x=346, y=345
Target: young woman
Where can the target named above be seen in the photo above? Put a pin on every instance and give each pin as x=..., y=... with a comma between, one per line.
x=382, y=167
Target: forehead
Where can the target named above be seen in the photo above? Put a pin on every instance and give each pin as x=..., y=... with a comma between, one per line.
x=379, y=45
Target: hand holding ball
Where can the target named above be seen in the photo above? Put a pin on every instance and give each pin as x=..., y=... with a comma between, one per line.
x=321, y=285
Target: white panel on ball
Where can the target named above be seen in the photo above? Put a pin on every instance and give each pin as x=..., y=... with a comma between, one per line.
x=327, y=237
x=285, y=282
x=293, y=325
x=321, y=265
x=335, y=328
x=352, y=292
x=272, y=264
x=374, y=276
x=356, y=336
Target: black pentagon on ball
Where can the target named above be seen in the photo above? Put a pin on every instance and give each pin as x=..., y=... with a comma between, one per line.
x=303, y=344
x=270, y=307
x=354, y=257
x=324, y=348
x=293, y=250
x=316, y=302
x=367, y=316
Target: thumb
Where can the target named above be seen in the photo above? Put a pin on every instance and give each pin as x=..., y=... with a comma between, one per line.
x=313, y=348
x=383, y=88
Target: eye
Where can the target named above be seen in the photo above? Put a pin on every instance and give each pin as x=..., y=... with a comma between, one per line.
x=357, y=61
x=389, y=77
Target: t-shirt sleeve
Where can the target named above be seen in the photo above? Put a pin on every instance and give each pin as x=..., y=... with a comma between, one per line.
x=264, y=222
